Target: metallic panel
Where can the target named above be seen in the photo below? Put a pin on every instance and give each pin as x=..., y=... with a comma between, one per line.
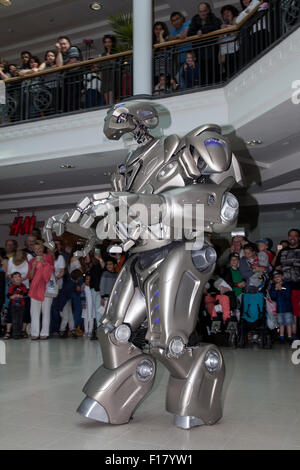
x=119, y=391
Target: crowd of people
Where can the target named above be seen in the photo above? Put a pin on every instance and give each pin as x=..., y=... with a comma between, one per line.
x=53, y=291
x=252, y=273
x=59, y=294
x=183, y=67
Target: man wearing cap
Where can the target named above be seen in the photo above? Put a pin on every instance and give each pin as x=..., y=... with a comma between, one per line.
x=289, y=262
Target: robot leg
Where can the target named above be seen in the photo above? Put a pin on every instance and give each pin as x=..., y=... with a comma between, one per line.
x=116, y=388
x=195, y=385
x=196, y=373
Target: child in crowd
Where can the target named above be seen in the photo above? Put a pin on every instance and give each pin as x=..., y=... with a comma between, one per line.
x=280, y=292
x=16, y=293
x=253, y=267
x=263, y=247
x=107, y=281
x=189, y=72
x=88, y=308
x=70, y=289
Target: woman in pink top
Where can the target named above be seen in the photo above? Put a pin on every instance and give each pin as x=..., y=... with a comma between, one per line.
x=40, y=270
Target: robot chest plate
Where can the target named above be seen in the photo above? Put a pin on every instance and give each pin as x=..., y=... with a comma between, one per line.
x=151, y=174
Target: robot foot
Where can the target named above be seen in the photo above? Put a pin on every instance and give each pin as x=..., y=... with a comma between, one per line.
x=187, y=422
x=92, y=409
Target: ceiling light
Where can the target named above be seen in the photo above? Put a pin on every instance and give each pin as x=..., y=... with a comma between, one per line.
x=5, y=3
x=67, y=166
x=96, y=6
x=42, y=182
x=14, y=211
x=254, y=142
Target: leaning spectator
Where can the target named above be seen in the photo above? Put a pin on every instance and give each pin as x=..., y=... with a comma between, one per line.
x=67, y=55
x=12, y=71
x=189, y=72
x=25, y=57
x=179, y=31
x=49, y=61
x=160, y=32
x=180, y=26
x=280, y=292
x=288, y=261
x=202, y=23
x=41, y=269
x=229, y=48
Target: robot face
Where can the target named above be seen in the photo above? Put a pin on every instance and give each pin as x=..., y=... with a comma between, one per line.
x=124, y=118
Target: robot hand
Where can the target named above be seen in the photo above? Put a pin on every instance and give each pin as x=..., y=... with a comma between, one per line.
x=80, y=218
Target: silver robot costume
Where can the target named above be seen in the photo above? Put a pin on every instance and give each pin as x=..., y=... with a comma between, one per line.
x=156, y=297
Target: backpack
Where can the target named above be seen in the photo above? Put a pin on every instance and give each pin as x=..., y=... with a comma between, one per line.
x=253, y=305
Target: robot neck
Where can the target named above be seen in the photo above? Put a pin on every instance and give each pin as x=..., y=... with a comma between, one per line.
x=141, y=135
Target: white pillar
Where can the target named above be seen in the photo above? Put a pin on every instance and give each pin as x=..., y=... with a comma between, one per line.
x=142, y=47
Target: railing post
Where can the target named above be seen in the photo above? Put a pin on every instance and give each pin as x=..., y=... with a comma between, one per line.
x=142, y=47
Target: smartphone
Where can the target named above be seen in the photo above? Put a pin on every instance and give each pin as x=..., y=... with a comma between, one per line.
x=97, y=251
x=279, y=247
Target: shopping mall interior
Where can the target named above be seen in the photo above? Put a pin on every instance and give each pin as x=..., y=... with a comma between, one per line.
x=64, y=65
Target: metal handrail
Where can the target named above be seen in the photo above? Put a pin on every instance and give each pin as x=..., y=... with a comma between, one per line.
x=203, y=37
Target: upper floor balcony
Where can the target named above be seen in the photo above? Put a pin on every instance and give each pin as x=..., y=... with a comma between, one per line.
x=182, y=66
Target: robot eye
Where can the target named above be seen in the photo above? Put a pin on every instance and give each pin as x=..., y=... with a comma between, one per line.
x=122, y=118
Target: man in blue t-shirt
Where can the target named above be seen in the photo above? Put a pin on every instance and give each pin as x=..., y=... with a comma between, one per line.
x=179, y=31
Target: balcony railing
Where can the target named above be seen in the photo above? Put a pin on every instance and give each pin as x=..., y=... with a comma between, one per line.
x=178, y=66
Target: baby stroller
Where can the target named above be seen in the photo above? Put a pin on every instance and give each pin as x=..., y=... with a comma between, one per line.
x=254, y=329
x=224, y=324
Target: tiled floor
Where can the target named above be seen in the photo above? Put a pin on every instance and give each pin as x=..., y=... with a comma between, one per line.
x=40, y=389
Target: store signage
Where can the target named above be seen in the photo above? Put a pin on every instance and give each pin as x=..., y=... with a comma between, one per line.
x=20, y=227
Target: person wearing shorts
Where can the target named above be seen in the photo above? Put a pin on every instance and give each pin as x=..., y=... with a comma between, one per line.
x=280, y=292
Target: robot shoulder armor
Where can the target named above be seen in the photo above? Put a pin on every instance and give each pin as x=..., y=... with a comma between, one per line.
x=171, y=144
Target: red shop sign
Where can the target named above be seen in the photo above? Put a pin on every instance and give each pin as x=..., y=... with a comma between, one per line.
x=19, y=227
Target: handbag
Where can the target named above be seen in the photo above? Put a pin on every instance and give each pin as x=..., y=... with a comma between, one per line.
x=51, y=288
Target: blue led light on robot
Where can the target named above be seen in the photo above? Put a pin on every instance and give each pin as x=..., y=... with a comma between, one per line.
x=156, y=307
x=157, y=320
x=212, y=141
x=156, y=293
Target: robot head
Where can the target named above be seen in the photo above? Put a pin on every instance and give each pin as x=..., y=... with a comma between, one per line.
x=133, y=117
